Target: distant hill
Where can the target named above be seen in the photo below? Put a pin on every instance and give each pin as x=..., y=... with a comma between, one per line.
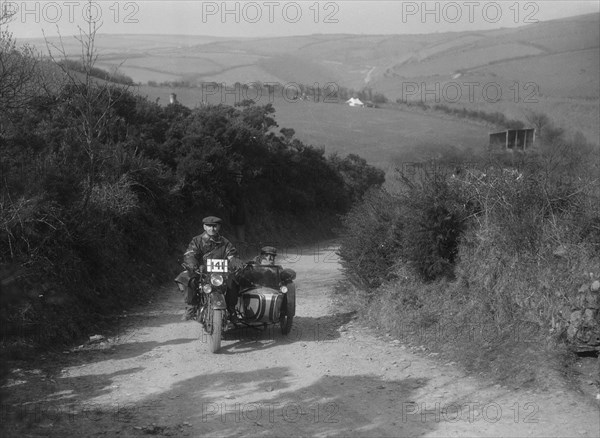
x=552, y=67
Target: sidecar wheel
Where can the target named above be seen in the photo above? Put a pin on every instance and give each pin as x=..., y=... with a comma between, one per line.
x=289, y=309
x=217, y=331
x=285, y=322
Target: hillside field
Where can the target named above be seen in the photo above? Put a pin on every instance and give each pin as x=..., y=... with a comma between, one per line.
x=550, y=67
x=377, y=134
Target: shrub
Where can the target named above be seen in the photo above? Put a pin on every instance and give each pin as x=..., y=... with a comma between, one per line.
x=419, y=227
x=531, y=238
x=433, y=216
x=369, y=247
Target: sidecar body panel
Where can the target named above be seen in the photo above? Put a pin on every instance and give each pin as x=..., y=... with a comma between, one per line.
x=261, y=305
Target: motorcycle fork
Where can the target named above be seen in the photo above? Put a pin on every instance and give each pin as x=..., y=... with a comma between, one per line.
x=216, y=301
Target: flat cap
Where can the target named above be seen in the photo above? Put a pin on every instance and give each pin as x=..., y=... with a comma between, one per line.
x=268, y=250
x=210, y=220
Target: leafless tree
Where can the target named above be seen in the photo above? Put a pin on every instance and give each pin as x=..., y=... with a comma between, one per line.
x=538, y=120
x=17, y=73
x=17, y=67
x=92, y=99
x=7, y=13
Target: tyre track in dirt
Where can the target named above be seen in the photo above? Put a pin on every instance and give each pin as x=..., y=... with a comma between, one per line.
x=328, y=377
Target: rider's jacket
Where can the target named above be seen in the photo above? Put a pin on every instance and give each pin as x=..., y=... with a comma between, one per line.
x=203, y=247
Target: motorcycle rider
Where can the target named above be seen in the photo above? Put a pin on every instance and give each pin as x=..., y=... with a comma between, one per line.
x=209, y=244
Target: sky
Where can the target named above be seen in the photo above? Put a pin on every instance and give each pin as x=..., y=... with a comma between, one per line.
x=281, y=18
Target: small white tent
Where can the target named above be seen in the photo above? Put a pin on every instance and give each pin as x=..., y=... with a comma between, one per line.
x=354, y=101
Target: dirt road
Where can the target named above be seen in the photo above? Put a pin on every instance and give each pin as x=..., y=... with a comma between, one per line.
x=329, y=377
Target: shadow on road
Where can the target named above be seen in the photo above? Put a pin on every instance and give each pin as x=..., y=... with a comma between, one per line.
x=274, y=404
x=324, y=329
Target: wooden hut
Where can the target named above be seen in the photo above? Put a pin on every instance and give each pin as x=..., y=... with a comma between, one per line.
x=512, y=139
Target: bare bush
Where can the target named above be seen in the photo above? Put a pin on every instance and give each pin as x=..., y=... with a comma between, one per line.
x=17, y=73
x=91, y=99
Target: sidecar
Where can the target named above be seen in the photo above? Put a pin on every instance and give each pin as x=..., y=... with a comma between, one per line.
x=267, y=296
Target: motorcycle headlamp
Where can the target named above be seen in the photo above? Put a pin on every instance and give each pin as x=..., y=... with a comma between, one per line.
x=283, y=289
x=216, y=279
x=207, y=288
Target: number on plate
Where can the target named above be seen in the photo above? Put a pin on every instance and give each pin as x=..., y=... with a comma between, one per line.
x=216, y=265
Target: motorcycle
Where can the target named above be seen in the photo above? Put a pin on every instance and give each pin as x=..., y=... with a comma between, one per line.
x=267, y=296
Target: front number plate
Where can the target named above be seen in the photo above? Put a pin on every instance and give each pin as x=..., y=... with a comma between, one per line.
x=216, y=265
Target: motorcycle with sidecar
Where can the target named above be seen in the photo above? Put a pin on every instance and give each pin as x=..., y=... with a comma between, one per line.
x=267, y=296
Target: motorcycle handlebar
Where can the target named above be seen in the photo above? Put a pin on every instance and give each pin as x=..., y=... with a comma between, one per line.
x=197, y=270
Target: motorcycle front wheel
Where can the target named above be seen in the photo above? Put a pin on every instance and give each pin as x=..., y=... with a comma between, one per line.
x=216, y=330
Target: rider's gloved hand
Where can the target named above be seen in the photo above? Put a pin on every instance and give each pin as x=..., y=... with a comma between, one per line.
x=235, y=263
